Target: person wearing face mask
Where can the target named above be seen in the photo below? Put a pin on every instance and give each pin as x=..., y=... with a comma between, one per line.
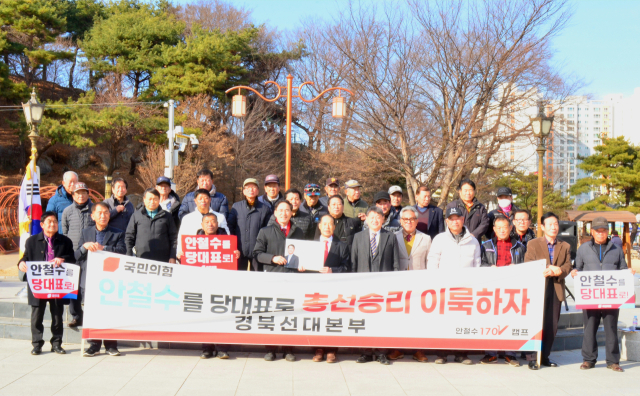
x=476, y=219
x=506, y=208
x=269, y=254
x=600, y=254
x=301, y=220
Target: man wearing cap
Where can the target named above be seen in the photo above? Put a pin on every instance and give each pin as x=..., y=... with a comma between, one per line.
x=557, y=255
x=246, y=218
x=353, y=205
x=455, y=248
x=383, y=201
x=344, y=227
x=430, y=217
x=600, y=254
x=271, y=191
x=312, y=205
x=75, y=218
x=192, y=222
x=374, y=250
x=395, y=192
x=332, y=187
x=506, y=208
x=169, y=200
x=219, y=202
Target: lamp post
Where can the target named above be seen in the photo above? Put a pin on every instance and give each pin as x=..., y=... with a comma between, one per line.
x=239, y=109
x=541, y=125
x=33, y=111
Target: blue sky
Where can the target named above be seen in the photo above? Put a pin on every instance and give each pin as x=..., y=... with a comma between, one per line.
x=601, y=44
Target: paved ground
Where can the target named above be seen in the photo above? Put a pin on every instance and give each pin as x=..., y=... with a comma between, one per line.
x=8, y=264
x=181, y=372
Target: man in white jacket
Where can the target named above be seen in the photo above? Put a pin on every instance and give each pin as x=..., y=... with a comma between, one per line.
x=192, y=222
x=455, y=248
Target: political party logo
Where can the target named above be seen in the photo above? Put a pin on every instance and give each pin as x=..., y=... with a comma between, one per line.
x=111, y=264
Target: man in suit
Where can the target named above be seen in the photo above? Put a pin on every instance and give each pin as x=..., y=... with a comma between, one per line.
x=374, y=250
x=430, y=217
x=292, y=260
x=413, y=248
x=558, y=257
x=336, y=259
x=56, y=248
x=100, y=237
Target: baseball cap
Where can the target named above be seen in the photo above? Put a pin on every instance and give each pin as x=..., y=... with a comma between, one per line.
x=249, y=181
x=599, y=222
x=332, y=180
x=312, y=189
x=80, y=186
x=381, y=195
x=352, y=184
x=504, y=191
x=271, y=179
x=452, y=212
x=395, y=189
x=163, y=179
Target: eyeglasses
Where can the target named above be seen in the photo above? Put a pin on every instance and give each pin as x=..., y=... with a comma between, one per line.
x=409, y=220
x=520, y=220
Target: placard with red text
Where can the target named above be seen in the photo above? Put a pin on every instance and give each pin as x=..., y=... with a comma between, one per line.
x=49, y=282
x=210, y=251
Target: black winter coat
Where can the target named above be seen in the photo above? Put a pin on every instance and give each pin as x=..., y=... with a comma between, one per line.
x=499, y=212
x=245, y=222
x=270, y=243
x=301, y=220
x=346, y=228
x=476, y=220
x=594, y=257
x=35, y=249
x=154, y=239
x=489, y=256
x=113, y=242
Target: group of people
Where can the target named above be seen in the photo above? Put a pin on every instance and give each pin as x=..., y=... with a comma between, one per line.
x=357, y=237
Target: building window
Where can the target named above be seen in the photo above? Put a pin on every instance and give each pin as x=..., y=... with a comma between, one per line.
x=570, y=115
x=571, y=181
x=549, y=161
x=596, y=109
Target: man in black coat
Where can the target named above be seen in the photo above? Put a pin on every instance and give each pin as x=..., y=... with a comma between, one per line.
x=299, y=218
x=56, y=248
x=600, y=254
x=151, y=231
x=505, y=208
x=100, y=237
x=246, y=219
x=344, y=227
x=374, y=250
x=476, y=218
x=430, y=217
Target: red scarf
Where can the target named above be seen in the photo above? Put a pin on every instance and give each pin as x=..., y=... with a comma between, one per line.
x=286, y=230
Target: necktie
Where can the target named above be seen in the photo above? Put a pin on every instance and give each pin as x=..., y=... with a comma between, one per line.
x=50, y=253
x=374, y=246
x=408, y=237
x=326, y=250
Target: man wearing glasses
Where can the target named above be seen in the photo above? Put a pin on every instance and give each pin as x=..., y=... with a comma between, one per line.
x=521, y=230
x=312, y=205
x=413, y=249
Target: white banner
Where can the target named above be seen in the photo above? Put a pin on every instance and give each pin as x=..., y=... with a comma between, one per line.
x=128, y=298
x=604, y=290
x=49, y=282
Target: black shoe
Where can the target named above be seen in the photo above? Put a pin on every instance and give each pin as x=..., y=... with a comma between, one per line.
x=36, y=350
x=382, y=358
x=533, y=365
x=270, y=357
x=290, y=357
x=75, y=323
x=58, y=349
x=223, y=355
x=206, y=355
x=549, y=363
x=365, y=359
x=90, y=352
x=113, y=352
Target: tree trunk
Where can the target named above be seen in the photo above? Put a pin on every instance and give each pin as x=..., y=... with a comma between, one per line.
x=73, y=67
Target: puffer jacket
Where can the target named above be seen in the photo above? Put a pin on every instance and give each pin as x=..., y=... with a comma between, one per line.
x=448, y=253
x=153, y=239
x=476, y=220
x=59, y=202
x=119, y=220
x=499, y=212
x=76, y=218
x=218, y=204
x=301, y=220
x=489, y=256
x=245, y=222
x=594, y=257
x=528, y=236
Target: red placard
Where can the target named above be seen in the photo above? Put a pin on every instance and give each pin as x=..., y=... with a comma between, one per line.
x=209, y=251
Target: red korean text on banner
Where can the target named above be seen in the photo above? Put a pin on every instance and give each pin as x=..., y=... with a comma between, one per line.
x=210, y=251
x=49, y=282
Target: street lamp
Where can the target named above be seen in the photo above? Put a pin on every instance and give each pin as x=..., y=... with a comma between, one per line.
x=239, y=109
x=541, y=125
x=33, y=111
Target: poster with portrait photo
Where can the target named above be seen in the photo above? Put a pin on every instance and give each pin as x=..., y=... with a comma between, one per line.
x=306, y=254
